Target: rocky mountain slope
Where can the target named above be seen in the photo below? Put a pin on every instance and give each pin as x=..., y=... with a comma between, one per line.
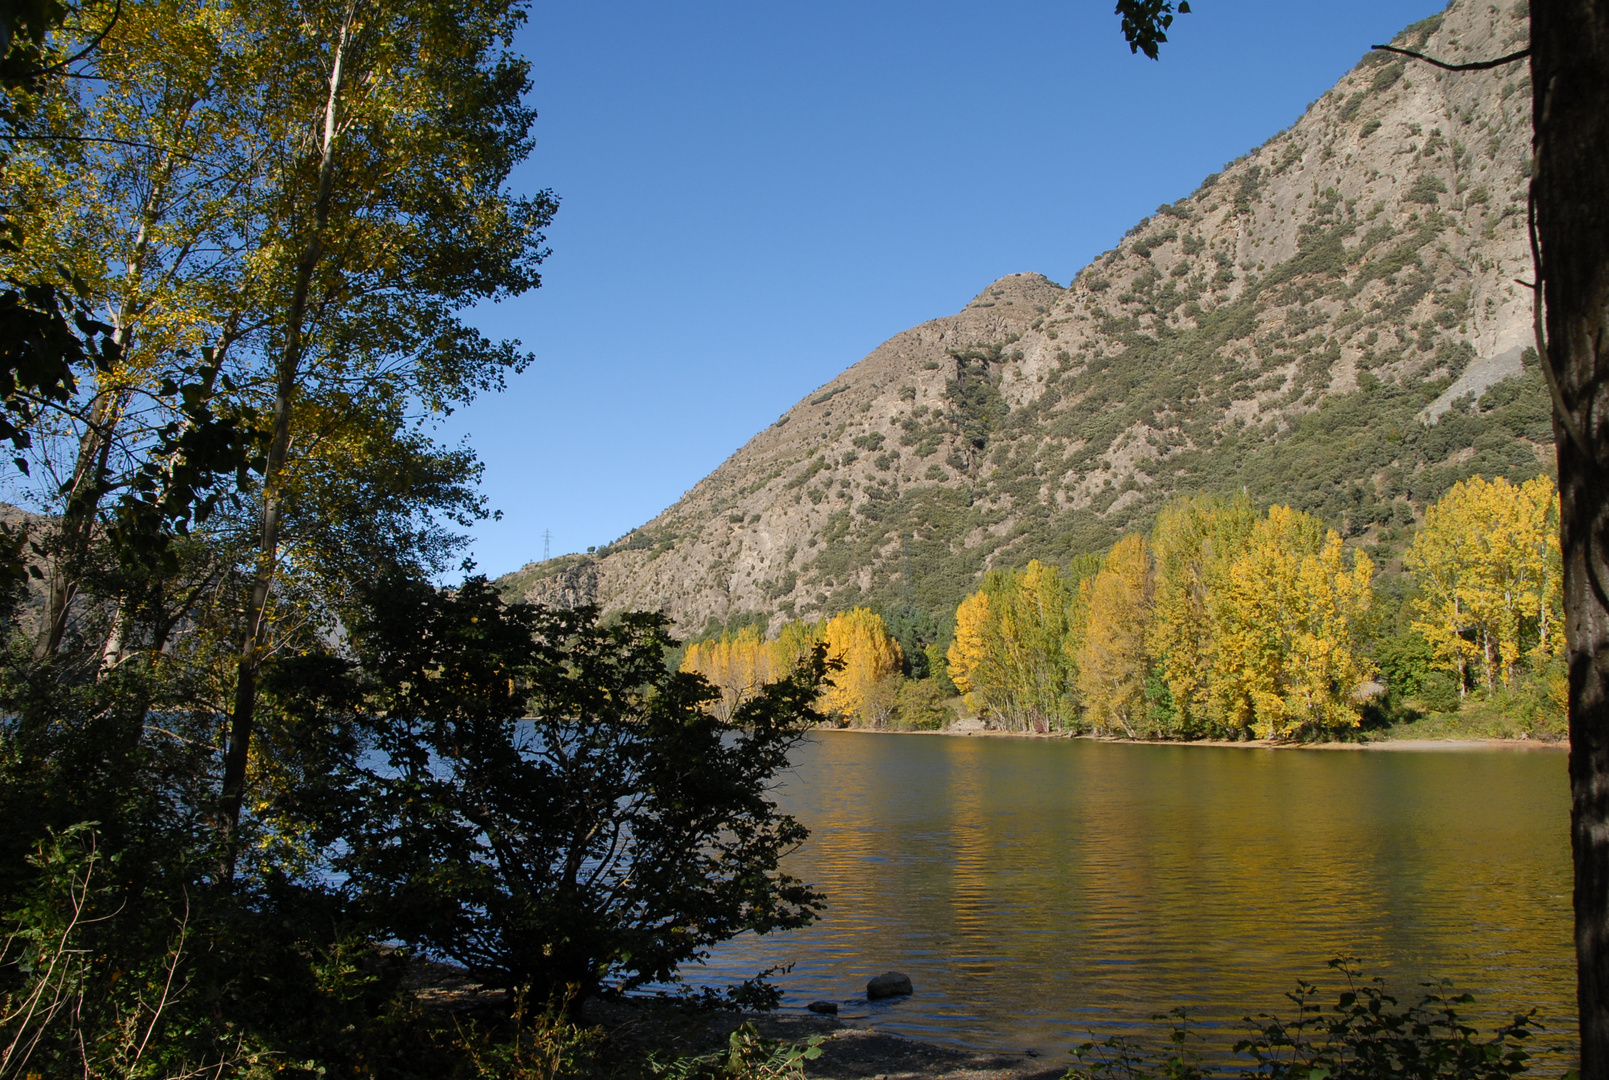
x=1333, y=322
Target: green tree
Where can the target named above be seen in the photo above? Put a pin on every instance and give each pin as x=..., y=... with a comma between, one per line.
x=394, y=219
x=1010, y=654
x=1193, y=543
x=620, y=832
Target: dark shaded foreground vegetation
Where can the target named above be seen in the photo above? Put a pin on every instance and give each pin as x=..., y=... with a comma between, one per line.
x=400, y=796
x=250, y=760
x=1367, y=1033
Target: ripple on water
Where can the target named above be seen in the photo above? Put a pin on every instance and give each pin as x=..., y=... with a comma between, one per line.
x=1038, y=891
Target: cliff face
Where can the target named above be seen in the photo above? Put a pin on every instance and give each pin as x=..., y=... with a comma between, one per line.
x=1331, y=322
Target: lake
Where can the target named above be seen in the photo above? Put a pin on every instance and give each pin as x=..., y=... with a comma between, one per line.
x=1037, y=891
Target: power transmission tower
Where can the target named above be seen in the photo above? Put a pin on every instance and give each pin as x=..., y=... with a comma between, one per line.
x=547, y=541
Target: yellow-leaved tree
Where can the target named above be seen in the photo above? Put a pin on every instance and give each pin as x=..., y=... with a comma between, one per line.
x=1286, y=663
x=972, y=661
x=863, y=688
x=1010, y=655
x=795, y=644
x=1112, y=660
x=737, y=665
x=1488, y=567
x=1192, y=544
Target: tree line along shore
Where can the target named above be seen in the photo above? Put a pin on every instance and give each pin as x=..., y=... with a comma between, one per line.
x=1224, y=622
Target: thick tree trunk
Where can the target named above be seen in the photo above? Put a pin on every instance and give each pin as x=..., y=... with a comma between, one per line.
x=1570, y=192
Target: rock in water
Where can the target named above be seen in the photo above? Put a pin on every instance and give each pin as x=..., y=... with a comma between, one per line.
x=889, y=984
x=825, y=1008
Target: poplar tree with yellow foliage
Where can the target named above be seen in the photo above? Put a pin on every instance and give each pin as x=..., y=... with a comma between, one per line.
x=738, y=665
x=1112, y=658
x=1011, y=655
x=1287, y=663
x=1488, y=566
x=973, y=660
x=864, y=685
x=794, y=646
x=1192, y=544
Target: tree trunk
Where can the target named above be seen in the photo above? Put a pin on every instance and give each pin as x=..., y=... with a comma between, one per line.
x=73, y=535
x=87, y=484
x=1570, y=96
x=287, y=376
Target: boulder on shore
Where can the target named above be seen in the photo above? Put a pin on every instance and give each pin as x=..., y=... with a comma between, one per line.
x=889, y=984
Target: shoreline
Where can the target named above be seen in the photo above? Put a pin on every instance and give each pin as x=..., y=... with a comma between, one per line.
x=1403, y=745
x=849, y=1050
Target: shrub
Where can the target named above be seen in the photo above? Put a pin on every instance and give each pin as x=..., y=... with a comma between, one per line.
x=1425, y=190
x=747, y=1057
x=919, y=706
x=1386, y=77
x=1365, y=1035
x=614, y=835
x=1438, y=692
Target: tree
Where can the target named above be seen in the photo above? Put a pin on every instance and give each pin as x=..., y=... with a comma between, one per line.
x=618, y=832
x=1286, y=663
x=736, y=665
x=136, y=182
x=282, y=212
x=1570, y=207
x=388, y=222
x=1487, y=560
x=1034, y=626
x=1112, y=661
x=1193, y=542
x=1010, y=655
x=867, y=663
x=795, y=644
x=972, y=660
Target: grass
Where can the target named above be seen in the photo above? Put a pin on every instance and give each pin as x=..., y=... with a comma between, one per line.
x=1500, y=716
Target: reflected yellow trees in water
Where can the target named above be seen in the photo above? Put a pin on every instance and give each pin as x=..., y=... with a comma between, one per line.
x=1037, y=891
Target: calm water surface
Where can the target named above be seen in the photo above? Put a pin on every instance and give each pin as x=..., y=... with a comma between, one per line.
x=1038, y=891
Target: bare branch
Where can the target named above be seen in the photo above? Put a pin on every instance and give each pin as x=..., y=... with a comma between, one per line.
x=1479, y=65
x=117, y=12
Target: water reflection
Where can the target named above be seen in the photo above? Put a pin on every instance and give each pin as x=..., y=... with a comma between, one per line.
x=1036, y=891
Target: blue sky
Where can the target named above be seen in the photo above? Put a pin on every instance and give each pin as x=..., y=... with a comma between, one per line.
x=754, y=196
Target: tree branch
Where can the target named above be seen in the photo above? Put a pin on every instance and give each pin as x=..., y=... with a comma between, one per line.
x=1479, y=65
x=117, y=12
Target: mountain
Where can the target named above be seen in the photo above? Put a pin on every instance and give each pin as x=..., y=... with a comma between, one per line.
x=1332, y=322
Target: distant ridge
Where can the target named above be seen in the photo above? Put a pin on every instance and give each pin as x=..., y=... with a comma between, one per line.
x=1331, y=322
